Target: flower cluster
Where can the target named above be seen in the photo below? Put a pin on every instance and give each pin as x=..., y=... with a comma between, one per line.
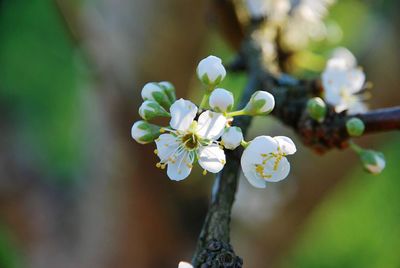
x=200, y=134
x=291, y=24
x=343, y=81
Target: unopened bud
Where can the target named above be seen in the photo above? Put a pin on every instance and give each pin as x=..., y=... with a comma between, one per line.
x=211, y=71
x=221, y=100
x=374, y=162
x=261, y=103
x=155, y=92
x=151, y=109
x=169, y=89
x=232, y=138
x=143, y=132
x=355, y=127
x=316, y=109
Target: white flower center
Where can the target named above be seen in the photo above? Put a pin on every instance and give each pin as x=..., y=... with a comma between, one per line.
x=276, y=157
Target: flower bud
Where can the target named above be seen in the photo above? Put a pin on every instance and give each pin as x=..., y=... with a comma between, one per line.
x=316, y=109
x=211, y=71
x=221, y=100
x=155, y=92
x=261, y=103
x=232, y=137
x=374, y=162
x=169, y=89
x=183, y=264
x=143, y=132
x=355, y=127
x=151, y=109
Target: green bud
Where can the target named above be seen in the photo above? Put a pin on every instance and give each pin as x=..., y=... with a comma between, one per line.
x=155, y=92
x=143, y=132
x=373, y=161
x=151, y=109
x=169, y=89
x=316, y=109
x=355, y=127
x=261, y=103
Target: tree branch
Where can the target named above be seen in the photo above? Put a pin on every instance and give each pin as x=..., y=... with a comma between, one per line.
x=381, y=120
x=291, y=97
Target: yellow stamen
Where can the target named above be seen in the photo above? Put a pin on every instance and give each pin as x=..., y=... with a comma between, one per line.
x=156, y=151
x=204, y=172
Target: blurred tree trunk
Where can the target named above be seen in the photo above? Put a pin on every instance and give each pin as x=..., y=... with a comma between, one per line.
x=120, y=214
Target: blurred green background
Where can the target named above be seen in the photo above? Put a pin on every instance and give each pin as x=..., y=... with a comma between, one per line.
x=74, y=191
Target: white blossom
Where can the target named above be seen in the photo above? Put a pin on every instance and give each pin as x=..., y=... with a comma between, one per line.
x=183, y=264
x=342, y=81
x=305, y=23
x=221, y=100
x=264, y=160
x=232, y=137
x=211, y=71
x=274, y=10
x=189, y=139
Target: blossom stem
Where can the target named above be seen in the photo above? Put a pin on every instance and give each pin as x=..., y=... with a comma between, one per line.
x=355, y=147
x=236, y=113
x=204, y=101
x=244, y=143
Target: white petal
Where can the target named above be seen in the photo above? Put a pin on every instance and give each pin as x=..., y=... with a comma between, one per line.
x=252, y=156
x=357, y=107
x=166, y=146
x=332, y=96
x=280, y=173
x=355, y=80
x=182, y=114
x=180, y=168
x=211, y=125
x=261, y=145
x=211, y=158
x=286, y=144
x=183, y=264
x=254, y=178
x=345, y=54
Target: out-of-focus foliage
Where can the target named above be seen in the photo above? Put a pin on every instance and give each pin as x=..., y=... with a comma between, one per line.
x=38, y=85
x=9, y=255
x=359, y=225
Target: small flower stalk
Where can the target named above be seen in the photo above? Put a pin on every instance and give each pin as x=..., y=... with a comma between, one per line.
x=196, y=134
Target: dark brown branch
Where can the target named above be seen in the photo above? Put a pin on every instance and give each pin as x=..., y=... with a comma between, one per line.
x=291, y=96
x=381, y=120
